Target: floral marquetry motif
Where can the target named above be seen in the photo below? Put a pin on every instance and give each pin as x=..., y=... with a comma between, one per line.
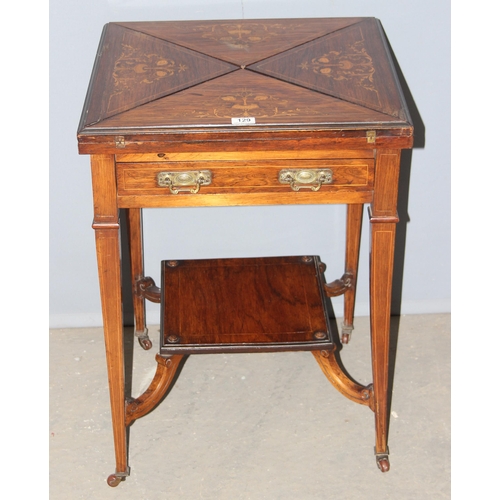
x=133, y=68
x=248, y=103
x=243, y=35
x=353, y=64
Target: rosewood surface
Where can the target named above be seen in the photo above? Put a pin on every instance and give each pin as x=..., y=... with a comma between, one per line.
x=244, y=305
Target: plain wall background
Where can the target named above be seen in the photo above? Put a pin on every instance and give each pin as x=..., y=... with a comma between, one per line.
x=419, y=34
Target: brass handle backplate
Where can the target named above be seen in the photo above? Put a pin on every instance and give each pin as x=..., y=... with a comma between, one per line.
x=184, y=181
x=306, y=178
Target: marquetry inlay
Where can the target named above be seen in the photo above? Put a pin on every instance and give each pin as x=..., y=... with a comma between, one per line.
x=242, y=36
x=133, y=67
x=352, y=64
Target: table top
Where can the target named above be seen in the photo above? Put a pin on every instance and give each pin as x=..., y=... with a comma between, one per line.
x=228, y=79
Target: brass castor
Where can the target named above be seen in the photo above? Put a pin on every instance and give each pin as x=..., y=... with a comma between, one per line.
x=383, y=463
x=346, y=333
x=143, y=339
x=145, y=343
x=114, y=480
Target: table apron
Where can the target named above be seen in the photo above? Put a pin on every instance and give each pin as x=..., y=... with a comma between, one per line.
x=248, y=199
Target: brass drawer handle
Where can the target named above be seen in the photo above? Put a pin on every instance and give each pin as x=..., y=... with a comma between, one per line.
x=184, y=181
x=306, y=178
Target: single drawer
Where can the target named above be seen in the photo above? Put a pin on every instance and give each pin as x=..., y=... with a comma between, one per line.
x=245, y=177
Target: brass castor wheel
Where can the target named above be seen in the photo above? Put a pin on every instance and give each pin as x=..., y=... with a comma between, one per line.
x=143, y=339
x=383, y=463
x=145, y=343
x=346, y=333
x=114, y=480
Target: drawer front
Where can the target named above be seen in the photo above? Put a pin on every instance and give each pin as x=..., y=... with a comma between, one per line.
x=175, y=179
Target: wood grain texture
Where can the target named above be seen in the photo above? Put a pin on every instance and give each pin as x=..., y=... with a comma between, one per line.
x=237, y=155
x=244, y=177
x=381, y=269
x=104, y=189
x=166, y=370
x=134, y=222
x=256, y=139
x=108, y=261
x=330, y=364
x=386, y=183
x=221, y=305
x=353, y=238
x=383, y=219
x=244, y=200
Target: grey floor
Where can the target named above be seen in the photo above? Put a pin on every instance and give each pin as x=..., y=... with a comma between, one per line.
x=254, y=426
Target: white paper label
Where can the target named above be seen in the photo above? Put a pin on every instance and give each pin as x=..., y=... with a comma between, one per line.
x=247, y=120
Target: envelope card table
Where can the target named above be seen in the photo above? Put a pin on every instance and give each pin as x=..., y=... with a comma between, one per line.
x=244, y=113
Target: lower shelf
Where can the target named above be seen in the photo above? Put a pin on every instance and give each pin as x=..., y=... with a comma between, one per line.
x=243, y=305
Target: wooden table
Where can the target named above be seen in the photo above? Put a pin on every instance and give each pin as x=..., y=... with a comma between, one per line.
x=244, y=112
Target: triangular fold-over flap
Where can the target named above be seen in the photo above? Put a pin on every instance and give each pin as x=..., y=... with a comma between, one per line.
x=350, y=64
x=136, y=68
x=241, y=42
x=244, y=94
